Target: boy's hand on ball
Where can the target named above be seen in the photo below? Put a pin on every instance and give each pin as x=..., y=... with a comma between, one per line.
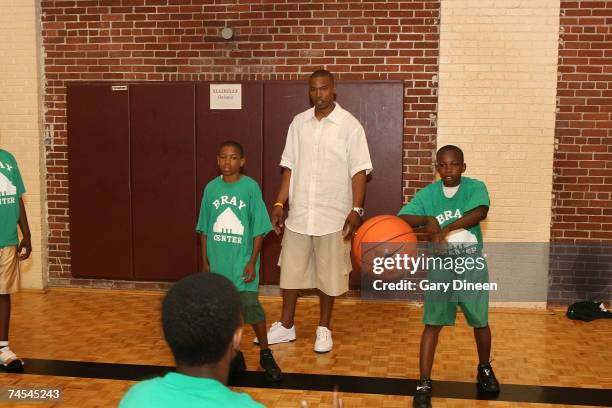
x=439, y=237
x=439, y=241
x=432, y=227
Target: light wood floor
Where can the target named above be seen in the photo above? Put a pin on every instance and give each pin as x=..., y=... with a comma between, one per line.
x=371, y=339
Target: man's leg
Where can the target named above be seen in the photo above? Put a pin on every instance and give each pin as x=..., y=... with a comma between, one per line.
x=333, y=265
x=326, y=305
x=290, y=297
x=324, y=342
x=296, y=272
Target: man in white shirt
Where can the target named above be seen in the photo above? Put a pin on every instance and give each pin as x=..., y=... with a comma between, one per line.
x=325, y=164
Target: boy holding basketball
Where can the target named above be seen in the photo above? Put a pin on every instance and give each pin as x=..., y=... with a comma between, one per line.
x=450, y=211
x=233, y=222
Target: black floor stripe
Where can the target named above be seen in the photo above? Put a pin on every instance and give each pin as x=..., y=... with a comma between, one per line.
x=321, y=382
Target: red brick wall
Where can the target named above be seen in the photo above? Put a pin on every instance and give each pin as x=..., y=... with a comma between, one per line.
x=172, y=40
x=582, y=206
x=582, y=186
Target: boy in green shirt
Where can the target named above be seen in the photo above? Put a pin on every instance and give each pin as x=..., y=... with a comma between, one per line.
x=12, y=213
x=202, y=323
x=450, y=211
x=233, y=222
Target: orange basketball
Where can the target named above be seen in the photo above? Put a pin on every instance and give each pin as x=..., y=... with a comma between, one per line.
x=382, y=229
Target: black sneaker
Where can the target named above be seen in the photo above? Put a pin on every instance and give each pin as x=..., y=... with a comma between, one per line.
x=422, y=396
x=238, y=365
x=272, y=370
x=486, y=378
x=9, y=360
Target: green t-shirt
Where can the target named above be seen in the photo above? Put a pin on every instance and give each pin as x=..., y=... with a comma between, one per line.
x=231, y=215
x=462, y=258
x=431, y=201
x=178, y=390
x=11, y=190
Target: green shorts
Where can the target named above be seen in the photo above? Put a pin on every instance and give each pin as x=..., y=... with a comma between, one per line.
x=253, y=311
x=441, y=305
x=444, y=313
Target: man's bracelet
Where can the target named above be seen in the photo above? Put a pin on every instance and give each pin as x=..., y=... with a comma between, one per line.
x=278, y=203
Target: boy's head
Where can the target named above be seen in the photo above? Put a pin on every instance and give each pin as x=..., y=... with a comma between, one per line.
x=322, y=89
x=450, y=165
x=230, y=158
x=202, y=319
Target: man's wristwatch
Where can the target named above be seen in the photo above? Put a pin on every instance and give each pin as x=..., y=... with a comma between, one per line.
x=359, y=211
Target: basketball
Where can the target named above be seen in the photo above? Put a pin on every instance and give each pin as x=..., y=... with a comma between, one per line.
x=380, y=230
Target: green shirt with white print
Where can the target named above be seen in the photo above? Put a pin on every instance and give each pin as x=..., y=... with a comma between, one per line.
x=11, y=190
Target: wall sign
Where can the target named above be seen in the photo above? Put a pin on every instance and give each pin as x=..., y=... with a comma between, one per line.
x=225, y=96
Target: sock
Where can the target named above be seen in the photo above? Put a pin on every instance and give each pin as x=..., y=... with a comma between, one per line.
x=3, y=344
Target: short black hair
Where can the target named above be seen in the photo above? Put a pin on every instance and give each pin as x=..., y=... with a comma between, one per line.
x=323, y=73
x=200, y=315
x=232, y=143
x=451, y=148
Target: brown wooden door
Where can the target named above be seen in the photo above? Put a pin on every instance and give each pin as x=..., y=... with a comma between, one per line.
x=214, y=126
x=163, y=180
x=99, y=181
x=283, y=100
x=149, y=230
x=379, y=107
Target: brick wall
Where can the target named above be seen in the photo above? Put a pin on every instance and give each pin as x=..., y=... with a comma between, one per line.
x=497, y=102
x=171, y=40
x=582, y=203
x=20, y=123
x=582, y=206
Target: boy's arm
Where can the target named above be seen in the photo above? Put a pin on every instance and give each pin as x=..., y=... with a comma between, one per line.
x=468, y=220
x=25, y=243
x=205, y=264
x=278, y=213
x=416, y=214
x=424, y=223
x=249, y=271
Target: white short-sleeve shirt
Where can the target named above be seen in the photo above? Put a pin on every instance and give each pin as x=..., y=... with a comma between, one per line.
x=323, y=156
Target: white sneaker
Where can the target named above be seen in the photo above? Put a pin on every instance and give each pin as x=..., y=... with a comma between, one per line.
x=324, y=342
x=279, y=334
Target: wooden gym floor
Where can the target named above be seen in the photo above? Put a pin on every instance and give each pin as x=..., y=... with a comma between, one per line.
x=539, y=356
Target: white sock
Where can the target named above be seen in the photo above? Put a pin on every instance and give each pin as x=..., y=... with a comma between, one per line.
x=3, y=344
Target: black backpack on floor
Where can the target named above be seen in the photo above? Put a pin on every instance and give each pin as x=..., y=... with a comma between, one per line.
x=588, y=311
